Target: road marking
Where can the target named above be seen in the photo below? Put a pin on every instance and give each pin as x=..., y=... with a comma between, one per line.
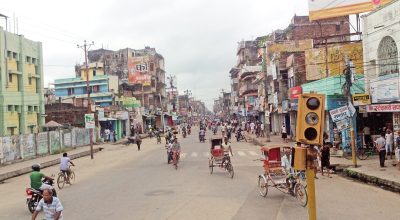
x=194, y=154
x=183, y=155
x=253, y=153
x=241, y=153
x=206, y=154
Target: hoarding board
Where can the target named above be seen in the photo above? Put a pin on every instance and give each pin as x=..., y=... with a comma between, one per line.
x=339, y=114
x=89, y=121
x=385, y=88
x=316, y=63
x=321, y=9
x=361, y=99
x=138, y=71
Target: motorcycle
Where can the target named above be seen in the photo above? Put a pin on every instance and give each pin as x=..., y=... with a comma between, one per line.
x=202, y=138
x=184, y=134
x=33, y=196
x=240, y=136
x=215, y=130
x=189, y=131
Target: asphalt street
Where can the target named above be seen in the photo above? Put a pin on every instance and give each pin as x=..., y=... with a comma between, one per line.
x=124, y=183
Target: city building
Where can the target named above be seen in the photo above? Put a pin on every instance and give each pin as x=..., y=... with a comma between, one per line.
x=381, y=46
x=21, y=85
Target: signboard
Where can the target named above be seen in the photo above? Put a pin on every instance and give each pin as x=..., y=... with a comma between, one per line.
x=352, y=110
x=123, y=115
x=294, y=92
x=384, y=108
x=138, y=71
x=339, y=114
x=385, y=88
x=361, y=99
x=89, y=121
x=100, y=114
x=321, y=9
x=315, y=60
x=290, y=46
x=343, y=124
x=130, y=102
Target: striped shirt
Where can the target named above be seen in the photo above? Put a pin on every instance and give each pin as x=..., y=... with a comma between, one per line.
x=50, y=209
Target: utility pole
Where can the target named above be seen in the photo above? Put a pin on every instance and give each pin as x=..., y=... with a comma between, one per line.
x=349, y=75
x=266, y=82
x=86, y=47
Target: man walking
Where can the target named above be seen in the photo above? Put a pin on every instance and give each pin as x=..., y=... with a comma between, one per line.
x=380, y=144
x=138, y=140
x=51, y=206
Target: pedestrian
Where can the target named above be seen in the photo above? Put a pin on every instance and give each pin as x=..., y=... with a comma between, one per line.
x=50, y=205
x=262, y=129
x=107, y=134
x=397, y=152
x=252, y=126
x=138, y=140
x=380, y=144
x=284, y=134
x=389, y=143
x=367, y=136
x=325, y=158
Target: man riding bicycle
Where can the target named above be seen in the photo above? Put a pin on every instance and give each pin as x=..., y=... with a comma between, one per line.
x=64, y=165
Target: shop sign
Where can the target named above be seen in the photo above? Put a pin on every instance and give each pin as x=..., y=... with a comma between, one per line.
x=89, y=121
x=294, y=106
x=123, y=115
x=384, y=108
x=295, y=92
x=339, y=114
x=361, y=99
x=352, y=110
x=362, y=109
x=100, y=113
x=334, y=103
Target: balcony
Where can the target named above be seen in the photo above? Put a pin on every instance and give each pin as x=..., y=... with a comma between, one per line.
x=247, y=88
x=249, y=70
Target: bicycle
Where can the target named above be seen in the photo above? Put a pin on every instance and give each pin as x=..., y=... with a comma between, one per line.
x=362, y=153
x=63, y=178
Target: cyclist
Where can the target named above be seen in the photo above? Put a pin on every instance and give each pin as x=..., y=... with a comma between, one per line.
x=36, y=179
x=64, y=165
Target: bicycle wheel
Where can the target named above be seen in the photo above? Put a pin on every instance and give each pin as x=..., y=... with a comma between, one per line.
x=211, y=165
x=300, y=193
x=71, y=177
x=362, y=155
x=262, y=185
x=60, y=180
x=229, y=167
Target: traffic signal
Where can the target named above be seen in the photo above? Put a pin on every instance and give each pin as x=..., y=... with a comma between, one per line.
x=310, y=119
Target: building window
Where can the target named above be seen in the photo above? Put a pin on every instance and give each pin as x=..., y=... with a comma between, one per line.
x=151, y=66
x=28, y=59
x=71, y=91
x=10, y=108
x=30, y=80
x=9, y=54
x=94, y=72
x=387, y=57
x=337, y=27
x=95, y=88
x=12, y=131
x=10, y=77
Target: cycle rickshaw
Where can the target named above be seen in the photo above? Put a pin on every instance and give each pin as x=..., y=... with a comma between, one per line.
x=275, y=175
x=218, y=158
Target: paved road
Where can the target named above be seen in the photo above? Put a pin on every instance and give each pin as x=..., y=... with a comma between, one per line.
x=123, y=183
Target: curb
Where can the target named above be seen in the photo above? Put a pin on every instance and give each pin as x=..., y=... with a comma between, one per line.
x=362, y=177
x=50, y=163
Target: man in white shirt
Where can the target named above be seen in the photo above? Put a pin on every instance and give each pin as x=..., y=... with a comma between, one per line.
x=389, y=142
x=285, y=161
x=252, y=125
x=51, y=206
x=64, y=165
x=380, y=144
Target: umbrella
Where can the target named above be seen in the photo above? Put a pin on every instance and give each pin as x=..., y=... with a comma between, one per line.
x=52, y=124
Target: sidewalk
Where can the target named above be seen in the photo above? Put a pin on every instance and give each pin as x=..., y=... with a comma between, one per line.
x=367, y=171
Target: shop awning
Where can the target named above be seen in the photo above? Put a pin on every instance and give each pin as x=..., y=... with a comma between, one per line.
x=107, y=119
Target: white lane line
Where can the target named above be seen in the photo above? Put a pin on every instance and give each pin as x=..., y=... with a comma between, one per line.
x=252, y=153
x=194, y=154
x=241, y=153
x=206, y=154
x=183, y=155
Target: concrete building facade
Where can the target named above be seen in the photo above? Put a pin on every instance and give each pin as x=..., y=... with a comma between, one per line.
x=21, y=85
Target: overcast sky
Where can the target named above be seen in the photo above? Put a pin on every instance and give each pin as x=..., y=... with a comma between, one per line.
x=198, y=38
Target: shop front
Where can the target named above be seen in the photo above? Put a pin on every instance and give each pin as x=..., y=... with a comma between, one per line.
x=381, y=117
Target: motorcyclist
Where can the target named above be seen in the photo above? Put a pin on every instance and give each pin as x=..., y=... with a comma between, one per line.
x=36, y=178
x=202, y=134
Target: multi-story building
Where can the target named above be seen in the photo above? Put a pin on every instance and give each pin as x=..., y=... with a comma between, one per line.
x=381, y=46
x=141, y=73
x=102, y=87
x=21, y=85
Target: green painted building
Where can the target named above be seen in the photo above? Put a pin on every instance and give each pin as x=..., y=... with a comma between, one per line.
x=21, y=85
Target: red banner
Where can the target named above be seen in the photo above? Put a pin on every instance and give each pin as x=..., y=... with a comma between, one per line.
x=295, y=92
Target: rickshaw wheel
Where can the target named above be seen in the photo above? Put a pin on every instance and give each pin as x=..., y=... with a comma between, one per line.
x=229, y=167
x=263, y=185
x=211, y=165
x=301, y=194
